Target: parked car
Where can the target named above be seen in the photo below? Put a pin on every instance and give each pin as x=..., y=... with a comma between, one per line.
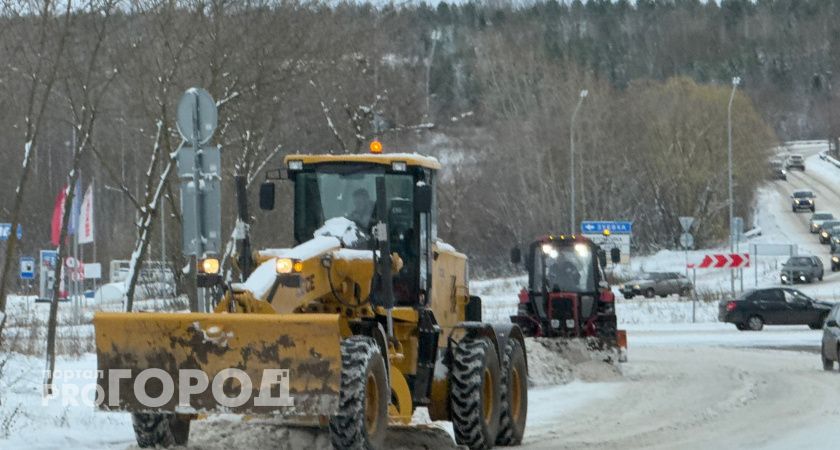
x=773, y=306
x=777, y=170
x=795, y=161
x=817, y=220
x=662, y=284
x=830, y=349
x=802, y=269
x=804, y=200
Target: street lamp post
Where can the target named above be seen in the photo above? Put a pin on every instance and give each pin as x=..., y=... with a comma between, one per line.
x=735, y=82
x=572, y=221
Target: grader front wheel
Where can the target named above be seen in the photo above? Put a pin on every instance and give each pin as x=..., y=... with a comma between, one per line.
x=160, y=429
x=514, y=394
x=362, y=419
x=474, y=392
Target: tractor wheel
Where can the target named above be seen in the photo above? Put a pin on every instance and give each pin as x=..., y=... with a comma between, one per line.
x=650, y=293
x=474, y=392
x=514, y=394
x=362, y=419
x=160, y=429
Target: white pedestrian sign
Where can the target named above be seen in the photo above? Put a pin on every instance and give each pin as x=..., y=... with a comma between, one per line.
x=27, y=268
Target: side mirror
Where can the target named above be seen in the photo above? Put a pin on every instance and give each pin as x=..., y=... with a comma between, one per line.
x=423, y=199
x=831, y=323
x=602, y=258
x=515, y=255
x=615, y=255
x=267, y=196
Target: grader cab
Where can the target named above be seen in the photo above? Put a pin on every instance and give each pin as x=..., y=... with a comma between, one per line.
x=366, y=319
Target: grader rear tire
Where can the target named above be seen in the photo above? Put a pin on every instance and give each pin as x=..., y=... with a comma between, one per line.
x=475, y=400
x=514, y=394
x=362, y=419
x=160, y=429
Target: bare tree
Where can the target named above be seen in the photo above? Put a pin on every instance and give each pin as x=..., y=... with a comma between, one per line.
x=45, y=57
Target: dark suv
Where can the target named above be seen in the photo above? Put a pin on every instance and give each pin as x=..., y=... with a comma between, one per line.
x=773, y=306
x=830, y=349
x=804, y=200
x=802, y=269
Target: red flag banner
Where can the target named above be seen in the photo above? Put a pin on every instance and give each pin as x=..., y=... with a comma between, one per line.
x=58, y=215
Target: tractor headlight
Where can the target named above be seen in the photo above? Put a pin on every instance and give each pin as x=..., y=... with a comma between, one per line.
x=835, y=259
x=288, y=265
x=398, y=166
x=209, y=266
x=802, y=277
x=295, y=164
x=784, y=277
x=582, y=249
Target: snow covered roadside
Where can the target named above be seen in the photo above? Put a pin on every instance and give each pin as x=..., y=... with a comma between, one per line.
x=68, y=421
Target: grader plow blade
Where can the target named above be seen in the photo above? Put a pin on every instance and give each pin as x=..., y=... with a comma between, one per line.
x=285, y=364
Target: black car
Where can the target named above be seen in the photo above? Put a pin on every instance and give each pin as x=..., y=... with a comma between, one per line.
x=825, y=230
x=830, y=350
x=803, y=200
x=773, y=306
x=777, y=170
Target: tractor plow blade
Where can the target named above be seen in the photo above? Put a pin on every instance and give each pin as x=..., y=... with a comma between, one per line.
x=286, y=364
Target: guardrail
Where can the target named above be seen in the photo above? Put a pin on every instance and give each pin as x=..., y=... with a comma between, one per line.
x=824, y=156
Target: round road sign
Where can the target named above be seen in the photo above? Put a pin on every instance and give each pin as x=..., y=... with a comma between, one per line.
x=197, y=116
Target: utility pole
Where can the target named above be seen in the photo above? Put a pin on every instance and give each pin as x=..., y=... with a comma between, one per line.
x=572, y=219
x=735, y=82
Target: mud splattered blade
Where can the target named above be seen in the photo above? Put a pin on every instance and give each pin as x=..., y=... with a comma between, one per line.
x=307, y=345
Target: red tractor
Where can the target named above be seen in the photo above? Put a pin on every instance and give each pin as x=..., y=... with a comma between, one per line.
x=568, y=294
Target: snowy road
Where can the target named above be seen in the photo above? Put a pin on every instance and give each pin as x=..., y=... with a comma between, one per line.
x=699, y=398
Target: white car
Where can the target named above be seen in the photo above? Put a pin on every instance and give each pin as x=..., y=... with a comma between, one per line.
x=795, y=162
x=817, y=220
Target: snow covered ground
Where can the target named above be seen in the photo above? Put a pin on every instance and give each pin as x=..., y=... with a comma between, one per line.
x=692, y=384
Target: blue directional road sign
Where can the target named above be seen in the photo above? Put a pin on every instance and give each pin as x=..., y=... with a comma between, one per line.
x=615, y=227
x=5, y=231
x=27, y=268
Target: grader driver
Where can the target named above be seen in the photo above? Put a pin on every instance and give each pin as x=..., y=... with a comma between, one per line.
x=366, y=319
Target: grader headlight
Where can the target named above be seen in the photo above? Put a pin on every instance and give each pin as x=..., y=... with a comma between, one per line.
x=209, y=266
x=288, y=265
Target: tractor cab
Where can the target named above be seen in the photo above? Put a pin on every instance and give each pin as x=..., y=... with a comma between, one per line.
x=568, y=293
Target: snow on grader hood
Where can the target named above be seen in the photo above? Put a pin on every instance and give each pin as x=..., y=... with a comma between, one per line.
x=292, y=329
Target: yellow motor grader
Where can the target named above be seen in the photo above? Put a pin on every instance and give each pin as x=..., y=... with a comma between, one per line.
x=366, y=319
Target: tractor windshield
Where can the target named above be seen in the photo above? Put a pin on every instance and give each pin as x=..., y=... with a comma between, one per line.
x=350, y=192
x=564, y=268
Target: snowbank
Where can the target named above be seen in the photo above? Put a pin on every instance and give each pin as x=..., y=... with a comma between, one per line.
x=560, y=361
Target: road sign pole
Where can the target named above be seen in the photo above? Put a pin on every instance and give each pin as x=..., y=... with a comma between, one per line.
x=694, y=296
